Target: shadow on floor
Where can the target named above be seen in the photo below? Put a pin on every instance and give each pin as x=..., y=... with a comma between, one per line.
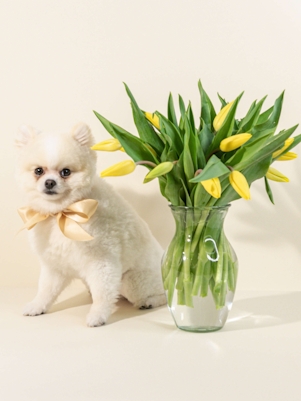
x=265, y=311
x=125, y=310
x=250, y=313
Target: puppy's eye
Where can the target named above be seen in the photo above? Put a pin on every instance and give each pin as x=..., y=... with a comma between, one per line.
x=39, y=171
x=65, y=172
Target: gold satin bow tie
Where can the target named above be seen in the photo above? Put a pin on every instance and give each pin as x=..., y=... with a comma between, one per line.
x=67, y=220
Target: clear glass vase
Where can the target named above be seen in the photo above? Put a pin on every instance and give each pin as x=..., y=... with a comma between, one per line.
x=199, y=269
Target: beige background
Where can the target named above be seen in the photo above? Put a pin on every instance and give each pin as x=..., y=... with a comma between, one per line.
x=62, y=59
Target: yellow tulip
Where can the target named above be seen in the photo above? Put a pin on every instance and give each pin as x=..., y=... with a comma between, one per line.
x=161, y=169
x=153, y=118
x=213, y=187
x=109, y=145
x=234, y=142
x=287, y=156
x=123, y=168
x=220, y=117
x=240, y=184
x=287, y=143
x=275, y=175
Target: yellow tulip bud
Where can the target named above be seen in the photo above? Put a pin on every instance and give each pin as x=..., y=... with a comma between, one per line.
x=123, y=168
x=213, y=187
x=240, y=184
x=220, y=117
x=275, y=175
x=287, y=156
x=109, y=145
x=153, y=118
x=234, y=142
x=161, y=169
x=287, y=143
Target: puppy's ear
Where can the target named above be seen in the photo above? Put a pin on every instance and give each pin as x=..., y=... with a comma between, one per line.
x=82, y=133
x=24, y=135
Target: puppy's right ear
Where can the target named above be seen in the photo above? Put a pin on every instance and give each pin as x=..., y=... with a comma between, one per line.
x=24, y=135
x=82, y=133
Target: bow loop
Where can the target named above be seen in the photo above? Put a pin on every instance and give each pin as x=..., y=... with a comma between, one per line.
x=81, y=211
x=31, y=217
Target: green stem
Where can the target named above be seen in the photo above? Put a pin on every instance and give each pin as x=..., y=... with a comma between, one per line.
x=174, y=268
x=224, y=284
x=219, y=265
x=199, y=229
x=199, y=274
x=206, y=278
x=188, y=258
x=231, y=275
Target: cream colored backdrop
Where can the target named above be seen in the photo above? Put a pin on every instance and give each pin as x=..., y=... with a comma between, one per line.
x=62, y=59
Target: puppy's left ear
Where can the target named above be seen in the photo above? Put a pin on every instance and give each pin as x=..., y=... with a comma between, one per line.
x=24, y=135
x=82, y=133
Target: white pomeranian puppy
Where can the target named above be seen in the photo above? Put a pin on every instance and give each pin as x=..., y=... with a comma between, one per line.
x=113, y=252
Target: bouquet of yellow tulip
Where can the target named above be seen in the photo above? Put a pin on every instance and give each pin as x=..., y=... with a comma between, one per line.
x=199, y=164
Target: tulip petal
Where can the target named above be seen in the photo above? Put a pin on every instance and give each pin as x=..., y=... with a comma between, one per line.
x=234, y=142
x=123, y=168
x=240, y=184
x=287, y=143
x=287, y=156
x=221, y=116
x=109, y=145
x=213, y=187
x=275, y=175
x=153, y=118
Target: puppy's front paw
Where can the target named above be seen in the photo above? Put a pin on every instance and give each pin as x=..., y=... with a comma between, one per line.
x=151, y=302
x=95, y=320
x=34, y=309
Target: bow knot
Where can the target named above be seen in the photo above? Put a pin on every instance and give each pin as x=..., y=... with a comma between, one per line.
x=68, y=220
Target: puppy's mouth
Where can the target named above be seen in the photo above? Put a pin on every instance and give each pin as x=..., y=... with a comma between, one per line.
x=49, y=192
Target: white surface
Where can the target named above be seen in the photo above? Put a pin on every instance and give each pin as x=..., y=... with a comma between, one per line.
x=141, y=356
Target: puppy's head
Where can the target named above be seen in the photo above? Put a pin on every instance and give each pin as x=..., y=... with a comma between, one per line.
x=55, y=170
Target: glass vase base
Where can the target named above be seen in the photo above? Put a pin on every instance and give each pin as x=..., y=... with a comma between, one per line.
x=199, y=329
x=203, y=317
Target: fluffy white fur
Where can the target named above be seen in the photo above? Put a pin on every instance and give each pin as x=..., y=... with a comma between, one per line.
x=123, y=258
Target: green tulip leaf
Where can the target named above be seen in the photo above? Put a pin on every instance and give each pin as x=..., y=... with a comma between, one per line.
x=251, y=118
x=182, y=107
x=271, y=123
x=205, y=137
x=144, y=128
x=187, y=155
x=265, y=115
x=222, y=100
x=171, y=134
x=214, y=168
x=171, y=114
x=207, y=110
x=268, y=190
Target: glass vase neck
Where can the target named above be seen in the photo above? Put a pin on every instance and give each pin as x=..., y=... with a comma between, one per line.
x=192, y=208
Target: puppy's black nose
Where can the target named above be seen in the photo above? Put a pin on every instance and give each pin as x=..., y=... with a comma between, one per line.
x=49, y=184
